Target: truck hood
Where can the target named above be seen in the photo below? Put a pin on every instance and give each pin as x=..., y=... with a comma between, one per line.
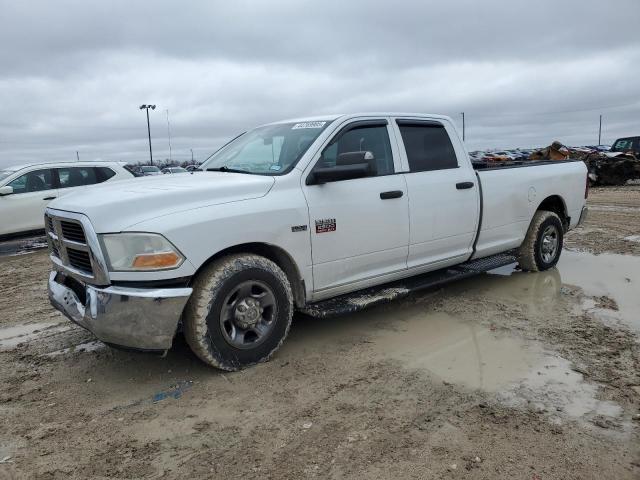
x=115, y=206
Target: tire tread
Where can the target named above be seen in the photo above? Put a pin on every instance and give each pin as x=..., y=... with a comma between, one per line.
x=527, y=252
x=206, y=285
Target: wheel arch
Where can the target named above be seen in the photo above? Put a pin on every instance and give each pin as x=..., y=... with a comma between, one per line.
x=557, y=205
x=277, y=255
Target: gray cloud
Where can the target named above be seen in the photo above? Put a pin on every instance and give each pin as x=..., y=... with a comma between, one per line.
x=73, y=73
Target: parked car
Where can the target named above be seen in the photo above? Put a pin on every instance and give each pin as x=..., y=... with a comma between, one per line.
x=174, y=170
x=149, y=170
x=193, y=168
x=26, y=190
x=300, y=214
x=628, y=144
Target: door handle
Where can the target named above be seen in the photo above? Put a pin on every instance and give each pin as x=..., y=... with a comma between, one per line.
x=391, y=194
x=48, y=198
x=464, y=185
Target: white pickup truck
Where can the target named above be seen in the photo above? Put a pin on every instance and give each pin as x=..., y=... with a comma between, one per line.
x=322, y=215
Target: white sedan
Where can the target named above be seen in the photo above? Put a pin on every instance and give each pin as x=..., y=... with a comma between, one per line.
x=26, y=190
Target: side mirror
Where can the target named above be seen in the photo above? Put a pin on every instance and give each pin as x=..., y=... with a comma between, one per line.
x=349, y=165
x=353, y=158
x=6, y=190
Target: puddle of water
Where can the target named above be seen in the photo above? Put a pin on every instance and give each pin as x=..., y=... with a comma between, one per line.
x=520, y=373
x=553, y=386
x=12, y=336
x=21, y=246
x=607, y=274
x=457, y=350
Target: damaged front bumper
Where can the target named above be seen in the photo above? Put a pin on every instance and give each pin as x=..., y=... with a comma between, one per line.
x=142, y=319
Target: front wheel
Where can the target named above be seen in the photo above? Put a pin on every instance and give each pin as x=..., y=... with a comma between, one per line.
x=543, y=244
x=239, y=312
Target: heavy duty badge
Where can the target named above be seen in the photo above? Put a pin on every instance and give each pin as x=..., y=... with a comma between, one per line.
x=326, y=225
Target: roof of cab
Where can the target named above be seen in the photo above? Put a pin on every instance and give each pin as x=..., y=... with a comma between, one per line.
x=332, y=117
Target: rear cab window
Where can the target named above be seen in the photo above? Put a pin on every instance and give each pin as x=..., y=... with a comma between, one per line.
x=427, y=145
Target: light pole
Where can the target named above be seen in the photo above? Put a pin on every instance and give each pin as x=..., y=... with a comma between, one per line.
x=147, y=107
x=191, y=156
x=169, y=135
x=600, y=132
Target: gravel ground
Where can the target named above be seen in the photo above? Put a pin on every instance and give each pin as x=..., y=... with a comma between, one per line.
x=506, y=375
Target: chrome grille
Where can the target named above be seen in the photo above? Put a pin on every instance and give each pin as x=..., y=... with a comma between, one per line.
x=79, y=259
x=73, y=246
x=72, y=231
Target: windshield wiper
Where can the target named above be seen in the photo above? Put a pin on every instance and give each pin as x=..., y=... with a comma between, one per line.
x=224, y=168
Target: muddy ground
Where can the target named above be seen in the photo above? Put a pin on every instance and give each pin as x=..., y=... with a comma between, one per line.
x=506, y=375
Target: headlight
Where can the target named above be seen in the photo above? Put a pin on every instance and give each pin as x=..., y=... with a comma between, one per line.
x=140, y=252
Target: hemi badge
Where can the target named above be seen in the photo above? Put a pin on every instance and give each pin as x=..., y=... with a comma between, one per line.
x=299, y=228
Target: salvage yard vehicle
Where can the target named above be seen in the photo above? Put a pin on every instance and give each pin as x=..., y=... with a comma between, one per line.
x=174, y=170
x=26, y=190
x=628, y=144
x=322, y=215
x=148, y=171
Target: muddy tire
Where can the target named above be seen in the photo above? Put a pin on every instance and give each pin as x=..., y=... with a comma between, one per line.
x=543, y=244
x=239, y=312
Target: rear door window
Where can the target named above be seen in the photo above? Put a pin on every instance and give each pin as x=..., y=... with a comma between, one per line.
x=77, y=176
x=427, y=145
x=35, y=181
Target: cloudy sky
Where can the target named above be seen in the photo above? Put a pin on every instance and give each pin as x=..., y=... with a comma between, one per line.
x=73, y=73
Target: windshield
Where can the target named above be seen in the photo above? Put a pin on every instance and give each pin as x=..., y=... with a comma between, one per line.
x=5, y=173
x=268, y=150
x=150, y=169
x=177, y=169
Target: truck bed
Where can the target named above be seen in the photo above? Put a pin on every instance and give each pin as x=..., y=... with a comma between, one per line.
x=510, y=197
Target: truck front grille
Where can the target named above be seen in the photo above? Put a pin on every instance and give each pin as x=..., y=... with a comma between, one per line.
x=72, y=231
x=79, y=259
x=49, y=222
x=70, y=248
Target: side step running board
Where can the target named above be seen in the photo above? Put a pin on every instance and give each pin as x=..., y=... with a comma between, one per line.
x=353, y=302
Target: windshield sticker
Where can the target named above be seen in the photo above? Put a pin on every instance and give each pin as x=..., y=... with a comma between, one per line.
x=275, y=167
x=308, y=125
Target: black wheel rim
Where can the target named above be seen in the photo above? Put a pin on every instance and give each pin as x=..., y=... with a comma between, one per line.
x=248, y=314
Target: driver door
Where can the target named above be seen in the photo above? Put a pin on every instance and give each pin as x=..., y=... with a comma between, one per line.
x=359, y=226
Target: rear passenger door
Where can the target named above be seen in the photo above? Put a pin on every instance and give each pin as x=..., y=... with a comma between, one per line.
x=443, y=194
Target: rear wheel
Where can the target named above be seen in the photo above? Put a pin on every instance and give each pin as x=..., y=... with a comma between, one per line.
x=542, y=246
x=239, y=313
